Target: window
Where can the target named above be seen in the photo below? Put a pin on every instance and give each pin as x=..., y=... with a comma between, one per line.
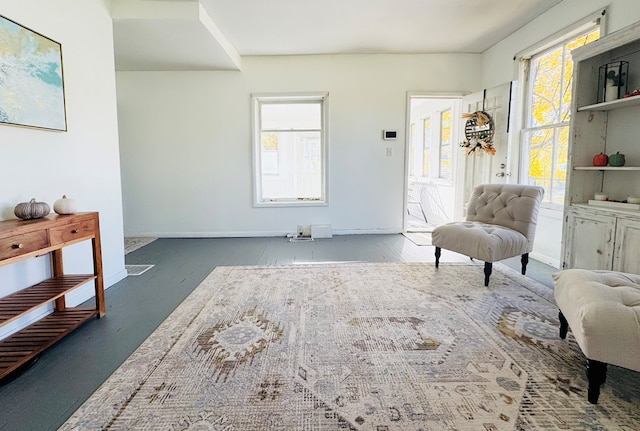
x=445, y=144
x=412, y=149
x=426, y=157
x=548, y=97
x=289, y=143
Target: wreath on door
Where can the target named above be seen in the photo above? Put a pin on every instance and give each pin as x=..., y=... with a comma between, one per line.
x=478, y=131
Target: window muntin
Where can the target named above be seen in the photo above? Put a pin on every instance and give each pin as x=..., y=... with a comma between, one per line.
x=290, y=150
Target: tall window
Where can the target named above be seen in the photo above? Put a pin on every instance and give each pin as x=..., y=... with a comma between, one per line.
x=412, y=149
x=289, y=150
x=546, y=132
x=445, y=144
x=426, y=147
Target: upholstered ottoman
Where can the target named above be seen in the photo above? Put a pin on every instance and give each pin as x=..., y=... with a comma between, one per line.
x=602, y=308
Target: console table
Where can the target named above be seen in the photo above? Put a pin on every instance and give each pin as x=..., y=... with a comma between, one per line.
x=25, y=239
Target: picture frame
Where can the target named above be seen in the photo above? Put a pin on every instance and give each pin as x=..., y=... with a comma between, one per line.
x=31, y=77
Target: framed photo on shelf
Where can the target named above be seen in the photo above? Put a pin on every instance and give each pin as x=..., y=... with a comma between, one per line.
x=32, y=90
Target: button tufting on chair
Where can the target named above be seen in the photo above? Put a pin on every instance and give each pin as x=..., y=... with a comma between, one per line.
x=501, y=223
x=602, y=308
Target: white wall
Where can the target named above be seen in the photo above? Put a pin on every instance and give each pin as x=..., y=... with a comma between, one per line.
x=83, y=162
x=498, y=67
x=186, y=147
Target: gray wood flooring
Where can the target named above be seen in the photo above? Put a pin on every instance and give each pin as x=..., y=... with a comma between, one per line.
x=44, y=396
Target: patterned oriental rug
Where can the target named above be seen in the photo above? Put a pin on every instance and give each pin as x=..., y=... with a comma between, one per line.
x=360, y=346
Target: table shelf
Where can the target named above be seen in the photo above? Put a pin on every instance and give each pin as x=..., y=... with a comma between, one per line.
x=26, y=239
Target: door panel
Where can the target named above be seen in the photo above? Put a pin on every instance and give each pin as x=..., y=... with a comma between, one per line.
x=590, y=240
x=627, y=246
x=479, y=166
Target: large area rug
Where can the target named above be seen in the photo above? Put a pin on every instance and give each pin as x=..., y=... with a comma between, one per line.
x=360, y=346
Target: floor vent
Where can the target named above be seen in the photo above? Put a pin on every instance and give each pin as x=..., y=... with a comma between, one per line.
x=137, y=269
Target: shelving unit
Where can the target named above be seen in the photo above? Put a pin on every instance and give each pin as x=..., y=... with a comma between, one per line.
x=626, y=102
x=21, y=240
x=601, y=237
x=607, y=168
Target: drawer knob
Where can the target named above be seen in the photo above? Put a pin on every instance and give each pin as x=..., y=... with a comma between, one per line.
x=74, y=231
x=17, y=246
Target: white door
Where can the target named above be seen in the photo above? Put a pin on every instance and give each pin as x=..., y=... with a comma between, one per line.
x=480, y=167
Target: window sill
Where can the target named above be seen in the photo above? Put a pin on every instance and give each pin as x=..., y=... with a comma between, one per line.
x=289, y=204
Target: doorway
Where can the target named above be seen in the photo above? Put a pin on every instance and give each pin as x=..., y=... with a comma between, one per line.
x=432, y=157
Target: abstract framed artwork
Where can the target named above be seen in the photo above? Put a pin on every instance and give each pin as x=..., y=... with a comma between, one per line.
x=31, y=79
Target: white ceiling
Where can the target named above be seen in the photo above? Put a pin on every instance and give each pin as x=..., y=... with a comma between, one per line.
x=215, y=34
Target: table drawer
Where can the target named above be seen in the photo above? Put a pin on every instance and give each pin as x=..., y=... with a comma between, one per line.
x=72, y=232
x=22, y=244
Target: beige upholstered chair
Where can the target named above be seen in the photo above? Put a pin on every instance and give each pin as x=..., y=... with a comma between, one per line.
x=602, y=308
x=501, y=223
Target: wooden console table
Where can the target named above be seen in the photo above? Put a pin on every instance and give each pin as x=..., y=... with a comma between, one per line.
x=24, y=239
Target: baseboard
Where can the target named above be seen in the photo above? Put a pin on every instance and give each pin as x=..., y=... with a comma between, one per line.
x=113, y=279
x=545, y=259
x=253, y=234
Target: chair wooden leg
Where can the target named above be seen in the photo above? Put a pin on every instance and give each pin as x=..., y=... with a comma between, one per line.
x=524, y=261
x=597, y=374
x=438, y=252
x=564, y=325
x=488, y=266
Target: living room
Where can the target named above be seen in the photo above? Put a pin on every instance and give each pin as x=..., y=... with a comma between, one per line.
x=168, y=153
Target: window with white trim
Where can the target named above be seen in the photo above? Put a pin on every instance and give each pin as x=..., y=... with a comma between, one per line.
x=545, y=135
x=426, y=147
x=445, y=144
x=289, y=148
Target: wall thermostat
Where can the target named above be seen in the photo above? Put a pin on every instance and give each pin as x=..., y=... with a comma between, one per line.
x=389, y=135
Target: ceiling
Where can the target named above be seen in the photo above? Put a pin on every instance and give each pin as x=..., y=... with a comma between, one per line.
x=216, y=34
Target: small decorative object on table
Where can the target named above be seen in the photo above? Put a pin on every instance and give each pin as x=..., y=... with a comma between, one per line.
x=612, y=81
x=31, y=210
x=616, y=159
x=478, y=131
x=65, y=205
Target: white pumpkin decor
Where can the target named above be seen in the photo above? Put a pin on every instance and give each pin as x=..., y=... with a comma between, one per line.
x=65, y=205
x=31, y=210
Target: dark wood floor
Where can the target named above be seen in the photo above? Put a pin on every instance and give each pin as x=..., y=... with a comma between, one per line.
x=67, y=374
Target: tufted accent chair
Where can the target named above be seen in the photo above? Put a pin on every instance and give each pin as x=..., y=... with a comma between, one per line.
x=602, y=308
x=501, y=223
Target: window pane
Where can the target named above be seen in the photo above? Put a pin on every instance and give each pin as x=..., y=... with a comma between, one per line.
x=412, y=149
x=299, y=162
x=426, y=157
x=541, y=152
x=291, y=116
x=546, y=91
x=269, y=153
x=445, y=145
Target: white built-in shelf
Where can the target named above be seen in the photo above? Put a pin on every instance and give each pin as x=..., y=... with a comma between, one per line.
x=625, y=102
x=606, y=168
